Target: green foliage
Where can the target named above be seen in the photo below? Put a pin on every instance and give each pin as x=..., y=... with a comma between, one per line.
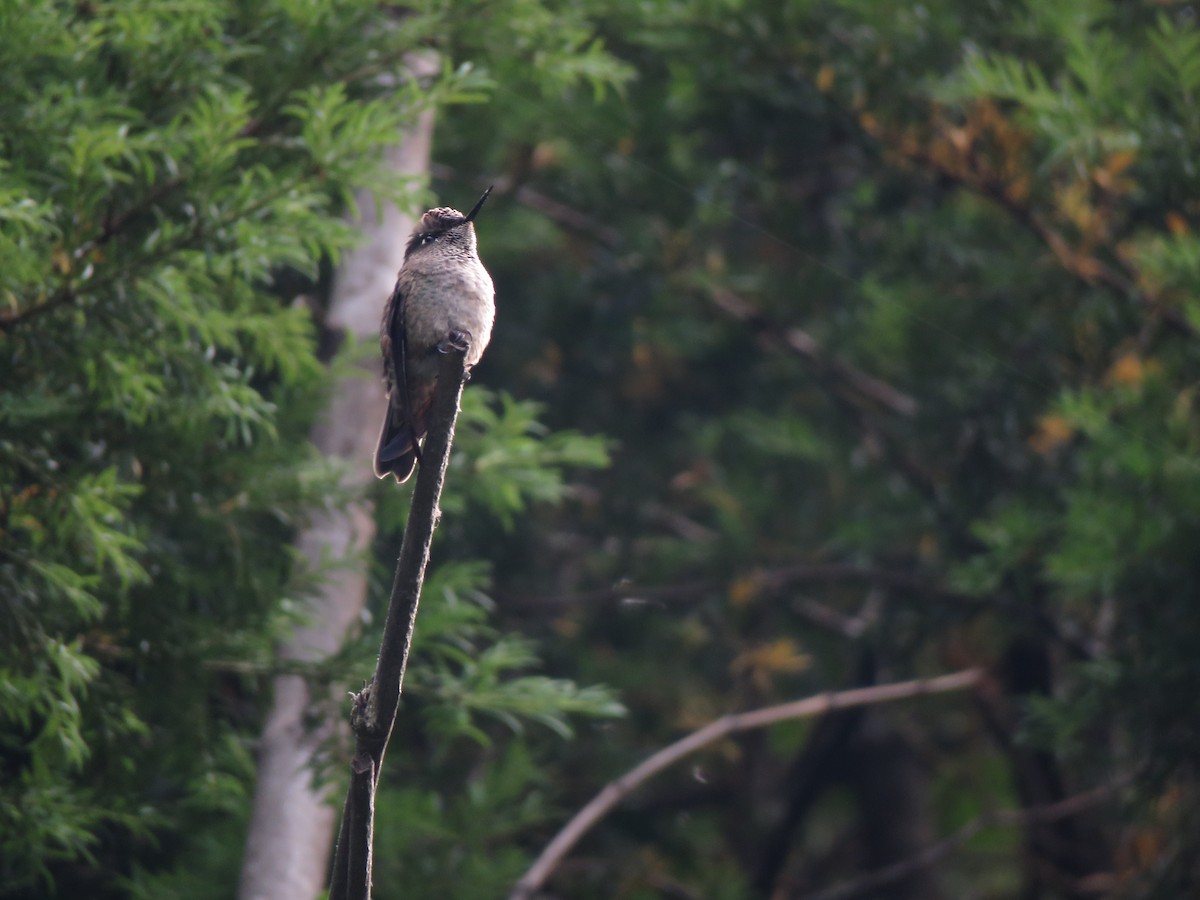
x=990, y=207
x=465, y=841
x=150, y=194
x=464, y=667
x=172, y=183
x=514, y=459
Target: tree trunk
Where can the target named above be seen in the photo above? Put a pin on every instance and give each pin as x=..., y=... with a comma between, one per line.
x=891, y=786
x=292, y=824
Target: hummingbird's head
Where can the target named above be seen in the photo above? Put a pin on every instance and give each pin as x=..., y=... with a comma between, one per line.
x=446, y=228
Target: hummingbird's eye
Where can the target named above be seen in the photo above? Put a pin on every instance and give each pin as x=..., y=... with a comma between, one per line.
x=429, y=238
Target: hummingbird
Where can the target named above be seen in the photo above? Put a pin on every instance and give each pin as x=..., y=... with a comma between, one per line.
x=443, y=298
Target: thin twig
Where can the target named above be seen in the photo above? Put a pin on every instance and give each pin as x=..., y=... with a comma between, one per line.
x=616, y=791
x=375, y=708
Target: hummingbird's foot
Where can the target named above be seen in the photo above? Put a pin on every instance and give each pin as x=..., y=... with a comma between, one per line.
x=358, y=708
x=455, y=340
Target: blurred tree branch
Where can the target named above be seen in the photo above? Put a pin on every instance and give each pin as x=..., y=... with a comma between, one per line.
x=869, y=884
x=560, y=213
x=845, y=377
x=854, y=393
x=768, y=579
x=765, y=578
x=616, y=791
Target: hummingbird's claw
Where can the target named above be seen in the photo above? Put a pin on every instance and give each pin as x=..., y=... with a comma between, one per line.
x=455, y=340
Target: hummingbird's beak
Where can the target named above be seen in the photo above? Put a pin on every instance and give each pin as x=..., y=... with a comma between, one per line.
x=478, y=206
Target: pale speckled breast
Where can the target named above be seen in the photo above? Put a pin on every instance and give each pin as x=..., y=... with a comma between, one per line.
x=476, y=318
x=451, y=296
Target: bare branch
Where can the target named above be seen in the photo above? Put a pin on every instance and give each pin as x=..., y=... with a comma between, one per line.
x=616, y=791
x=375, y=708
x=362, y=802
x=414, y=551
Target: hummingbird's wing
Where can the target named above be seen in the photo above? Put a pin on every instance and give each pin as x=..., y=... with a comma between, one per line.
x=395, y=453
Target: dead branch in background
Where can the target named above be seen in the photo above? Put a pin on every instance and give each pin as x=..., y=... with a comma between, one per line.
x=614, y=792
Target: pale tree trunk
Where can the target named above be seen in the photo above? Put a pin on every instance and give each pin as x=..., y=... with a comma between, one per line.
x=292, y=824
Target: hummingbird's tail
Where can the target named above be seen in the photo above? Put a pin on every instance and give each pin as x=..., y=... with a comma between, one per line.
x=396, y=453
